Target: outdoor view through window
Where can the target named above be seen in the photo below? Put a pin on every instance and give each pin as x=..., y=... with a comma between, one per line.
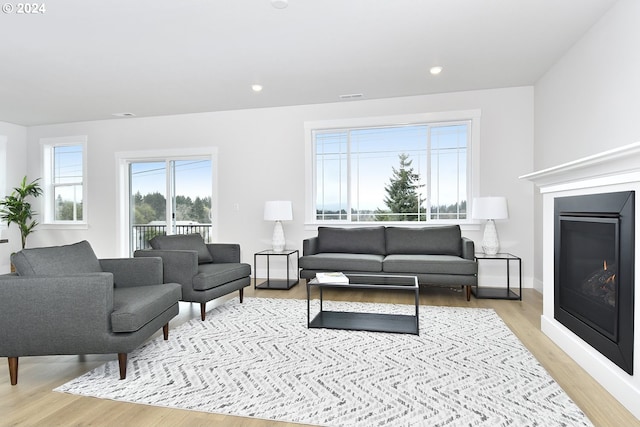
x=186, y=197
x=392, y=173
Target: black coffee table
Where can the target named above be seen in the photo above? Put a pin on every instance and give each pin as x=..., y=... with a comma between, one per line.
x=375, y=322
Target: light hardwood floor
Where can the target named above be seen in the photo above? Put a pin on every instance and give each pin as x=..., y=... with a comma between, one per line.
x=32, y=403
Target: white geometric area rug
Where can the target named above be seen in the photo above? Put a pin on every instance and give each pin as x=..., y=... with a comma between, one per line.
x=258, y=359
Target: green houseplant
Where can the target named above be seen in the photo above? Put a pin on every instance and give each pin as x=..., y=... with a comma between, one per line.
x=15, y=208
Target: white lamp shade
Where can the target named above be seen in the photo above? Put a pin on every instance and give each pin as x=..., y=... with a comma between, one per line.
x=489, y=208
x=278, y=210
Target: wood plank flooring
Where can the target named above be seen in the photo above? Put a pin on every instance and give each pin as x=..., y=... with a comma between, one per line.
x=32, y=403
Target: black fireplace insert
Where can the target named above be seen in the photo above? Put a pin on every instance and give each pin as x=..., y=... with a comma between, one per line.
x=594, y=271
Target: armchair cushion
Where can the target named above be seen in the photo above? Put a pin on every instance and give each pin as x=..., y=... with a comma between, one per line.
x=134, y=307
x=189, y=242
x=213, y=275
x=77, y=258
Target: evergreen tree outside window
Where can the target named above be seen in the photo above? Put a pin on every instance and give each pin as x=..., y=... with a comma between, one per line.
x=417, y=172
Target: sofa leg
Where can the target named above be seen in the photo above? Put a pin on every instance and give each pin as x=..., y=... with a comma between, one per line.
x=165, y=331
x=122, y=362
x=241, y=294
x=13, y=370
x=203, y=310
x=468, y=289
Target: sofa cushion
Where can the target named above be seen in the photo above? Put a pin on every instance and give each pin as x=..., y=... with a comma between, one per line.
x=77, y=258
x=184, y=242
x=213, y=275
x=361, y=240
x=444, y=240
x=342, y=262
x=429, y=264
x=134, y=307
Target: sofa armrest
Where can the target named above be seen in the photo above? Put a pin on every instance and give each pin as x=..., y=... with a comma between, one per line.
x=468, y=248
x=134, y=271
x=310, y=246
x=178, y=266
x=58, y=314
x=224, y=252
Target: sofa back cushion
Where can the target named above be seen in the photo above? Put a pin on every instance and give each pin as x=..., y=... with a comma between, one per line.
x=361, y=240
x=184, y=242
x=444, y=240
x=64, y=260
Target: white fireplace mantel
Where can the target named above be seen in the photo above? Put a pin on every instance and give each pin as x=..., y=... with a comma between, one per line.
x=609, y=171
x=614, y=166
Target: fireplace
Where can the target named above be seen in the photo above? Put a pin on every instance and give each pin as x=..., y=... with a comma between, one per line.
x=594, y=271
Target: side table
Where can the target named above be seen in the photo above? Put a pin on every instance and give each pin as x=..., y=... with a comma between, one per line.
x=501, y=292
x=270, y=283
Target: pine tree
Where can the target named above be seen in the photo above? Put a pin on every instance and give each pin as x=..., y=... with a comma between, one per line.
x=402, y=194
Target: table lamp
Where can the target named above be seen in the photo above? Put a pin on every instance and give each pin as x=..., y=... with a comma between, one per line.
x=278, y=211
x=490, y=208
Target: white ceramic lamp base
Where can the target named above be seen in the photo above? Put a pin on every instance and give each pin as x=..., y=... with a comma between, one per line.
x=278, y=241
x=490, y=242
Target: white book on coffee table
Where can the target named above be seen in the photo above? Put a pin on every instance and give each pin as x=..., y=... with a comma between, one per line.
x=332, y=277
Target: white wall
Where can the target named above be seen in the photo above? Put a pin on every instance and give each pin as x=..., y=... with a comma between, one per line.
x=589, y=101
x=15, y=138
x=261, y=157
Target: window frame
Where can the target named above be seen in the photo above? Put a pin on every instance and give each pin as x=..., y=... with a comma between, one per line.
x=48, y=209
x=473, y=150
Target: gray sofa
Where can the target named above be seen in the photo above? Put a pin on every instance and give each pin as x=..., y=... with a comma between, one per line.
x=205, y=270
x=64, y=300
x=435, y=255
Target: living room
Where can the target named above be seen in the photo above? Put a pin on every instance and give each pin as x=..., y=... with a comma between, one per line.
x=585, y=103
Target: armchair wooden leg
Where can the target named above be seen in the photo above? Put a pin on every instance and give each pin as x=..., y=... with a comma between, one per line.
x=203, y=310
x=468, y=289
x=241, y=294
x=13, y=370
x=165, y=331
x=122, y=362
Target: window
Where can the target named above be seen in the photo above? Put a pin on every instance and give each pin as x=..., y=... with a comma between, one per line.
x=64, y=180
x=418, y=171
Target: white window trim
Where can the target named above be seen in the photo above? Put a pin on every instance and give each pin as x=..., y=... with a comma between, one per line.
x=3, y=180
x=124, y=158
x=47, y=208
x=473, y=178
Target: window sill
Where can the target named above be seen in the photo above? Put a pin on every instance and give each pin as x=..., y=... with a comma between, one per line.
x=464, y=226
x=64, y=226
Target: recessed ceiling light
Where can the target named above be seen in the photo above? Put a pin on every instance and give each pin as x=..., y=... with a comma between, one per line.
x=435, y=70
x=256, y=88
x=123, y=114
x=279, y=4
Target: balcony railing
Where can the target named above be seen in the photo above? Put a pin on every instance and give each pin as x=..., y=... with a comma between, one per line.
x=141, y=234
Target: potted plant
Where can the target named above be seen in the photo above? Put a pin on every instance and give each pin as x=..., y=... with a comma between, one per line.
x=15, y=208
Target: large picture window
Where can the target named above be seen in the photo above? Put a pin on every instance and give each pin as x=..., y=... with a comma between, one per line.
x=415, y=172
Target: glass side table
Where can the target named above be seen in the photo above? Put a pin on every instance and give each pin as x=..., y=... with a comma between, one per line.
x=270, y=283
x=507, y=292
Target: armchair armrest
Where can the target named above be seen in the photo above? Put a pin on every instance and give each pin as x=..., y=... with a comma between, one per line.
x=179, y=266
x=134, y=271
x=310, y=246
x=55, y=314
x=468, y=248
x=224, y=252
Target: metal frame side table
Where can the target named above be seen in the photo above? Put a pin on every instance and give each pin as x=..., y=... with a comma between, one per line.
x=270, y=283
x=499, y=293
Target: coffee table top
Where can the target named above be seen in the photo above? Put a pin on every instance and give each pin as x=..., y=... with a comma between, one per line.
x=367, y=281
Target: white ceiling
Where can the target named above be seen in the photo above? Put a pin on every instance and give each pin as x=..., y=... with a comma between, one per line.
x=86, y=59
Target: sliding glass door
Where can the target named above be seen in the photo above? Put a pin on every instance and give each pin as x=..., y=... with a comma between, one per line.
x=169, y=196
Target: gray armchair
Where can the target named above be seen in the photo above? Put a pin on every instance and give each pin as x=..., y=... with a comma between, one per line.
x=63, y=300
x=205, y=271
